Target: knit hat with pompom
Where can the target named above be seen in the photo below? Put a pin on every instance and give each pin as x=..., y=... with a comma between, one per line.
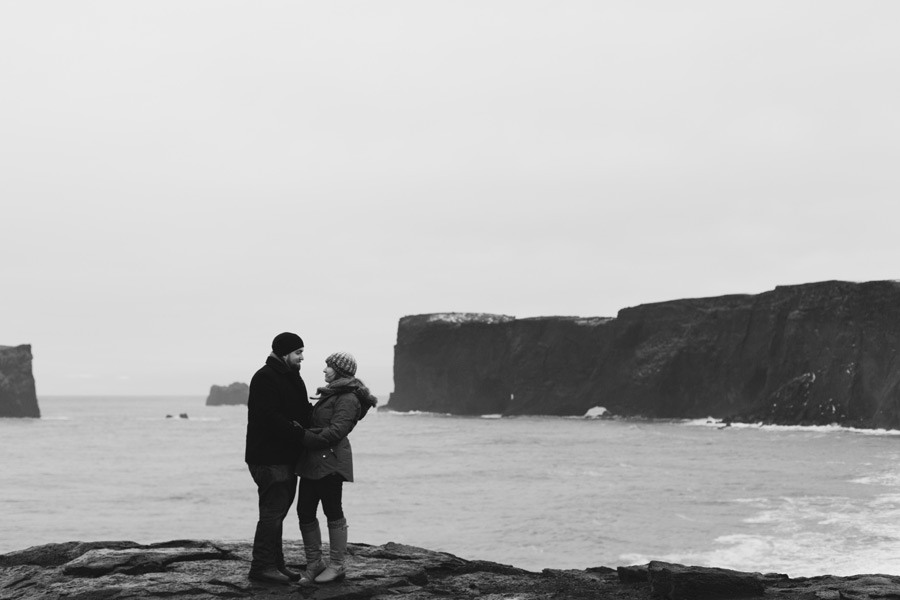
x=343, y=363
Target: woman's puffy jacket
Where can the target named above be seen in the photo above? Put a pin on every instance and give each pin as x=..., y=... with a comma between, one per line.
x=326, y=448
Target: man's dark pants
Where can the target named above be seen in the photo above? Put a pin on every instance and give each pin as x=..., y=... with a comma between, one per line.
x=277, y=485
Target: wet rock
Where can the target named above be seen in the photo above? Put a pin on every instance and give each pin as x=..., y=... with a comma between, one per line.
x=138, y=560
x=207, y=570
x=678, y=582
x=633, y=574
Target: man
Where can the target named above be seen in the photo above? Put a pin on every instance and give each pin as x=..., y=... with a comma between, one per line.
x=278, y=399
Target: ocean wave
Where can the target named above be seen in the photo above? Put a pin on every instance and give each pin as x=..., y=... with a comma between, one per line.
x=888, y=479
x=792, y=506
x=833, y=428
x=178, y=418
x=789, y=554
x=414, y=413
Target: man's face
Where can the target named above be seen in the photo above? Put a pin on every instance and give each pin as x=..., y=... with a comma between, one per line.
x=294, y=359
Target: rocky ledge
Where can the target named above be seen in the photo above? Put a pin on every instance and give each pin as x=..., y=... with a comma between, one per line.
x=214, y=569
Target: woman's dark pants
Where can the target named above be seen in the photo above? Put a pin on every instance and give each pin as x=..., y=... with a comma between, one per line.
x=276, y=485
x=326, y=490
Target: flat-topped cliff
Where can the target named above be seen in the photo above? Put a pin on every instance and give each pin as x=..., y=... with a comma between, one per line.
x=228, y=395
x=17, y=392
x=817, y=353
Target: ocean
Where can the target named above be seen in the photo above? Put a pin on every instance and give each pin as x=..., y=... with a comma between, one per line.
x=534, y=492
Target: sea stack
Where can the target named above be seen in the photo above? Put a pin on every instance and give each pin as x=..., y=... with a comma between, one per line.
x=236, y=393
x=810, y=354
x=17, y=392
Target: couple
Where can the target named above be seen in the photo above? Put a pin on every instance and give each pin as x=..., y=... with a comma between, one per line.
x=288, y=437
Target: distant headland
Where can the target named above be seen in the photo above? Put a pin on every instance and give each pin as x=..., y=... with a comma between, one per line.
x=811, y=354
x=18, y=397
x=228, y=395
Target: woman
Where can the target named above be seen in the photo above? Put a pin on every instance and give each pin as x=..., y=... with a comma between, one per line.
x=327, y=463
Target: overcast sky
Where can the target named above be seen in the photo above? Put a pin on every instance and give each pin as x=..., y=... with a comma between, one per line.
x=182, y=180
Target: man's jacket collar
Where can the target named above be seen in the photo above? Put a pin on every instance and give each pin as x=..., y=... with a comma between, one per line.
x=278, y=364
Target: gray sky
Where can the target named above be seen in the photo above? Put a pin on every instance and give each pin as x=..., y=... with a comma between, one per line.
x=181, y=181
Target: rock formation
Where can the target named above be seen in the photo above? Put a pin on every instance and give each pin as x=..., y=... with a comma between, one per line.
x=817, y=353
x=17, y=392
x=206, y=570
x=236, y=393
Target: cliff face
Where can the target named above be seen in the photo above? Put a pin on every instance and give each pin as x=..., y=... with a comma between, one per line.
x=817, y=353
x=236, y=393
x=17, y=392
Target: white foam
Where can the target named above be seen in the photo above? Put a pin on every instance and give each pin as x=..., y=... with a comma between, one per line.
x=791, y=555
x=891, y=479
x=593, y=413
x=833, y=428
x=414, y=413
x=812, y=535
x=718, y=423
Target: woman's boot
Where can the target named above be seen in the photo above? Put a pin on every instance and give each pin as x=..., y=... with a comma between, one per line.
x=312, y=547
x=337, y=536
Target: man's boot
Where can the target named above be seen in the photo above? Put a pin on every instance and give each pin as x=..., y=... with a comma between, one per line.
x=264, y=554
x=292, y=575
x=279, y=561
x=271, y=575
x=337, y=536
x=312, y=547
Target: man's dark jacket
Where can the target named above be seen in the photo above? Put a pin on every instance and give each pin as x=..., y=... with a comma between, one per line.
x=277, y=397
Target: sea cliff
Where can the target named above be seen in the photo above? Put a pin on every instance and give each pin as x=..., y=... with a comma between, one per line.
x=811, y=354
x=208, y=570
x=236, y=393
x=17, y=391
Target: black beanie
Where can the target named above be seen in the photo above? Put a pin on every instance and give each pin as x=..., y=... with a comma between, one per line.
x=285, y=343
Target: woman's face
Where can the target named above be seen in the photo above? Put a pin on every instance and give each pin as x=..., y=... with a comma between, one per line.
x=329, y=374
